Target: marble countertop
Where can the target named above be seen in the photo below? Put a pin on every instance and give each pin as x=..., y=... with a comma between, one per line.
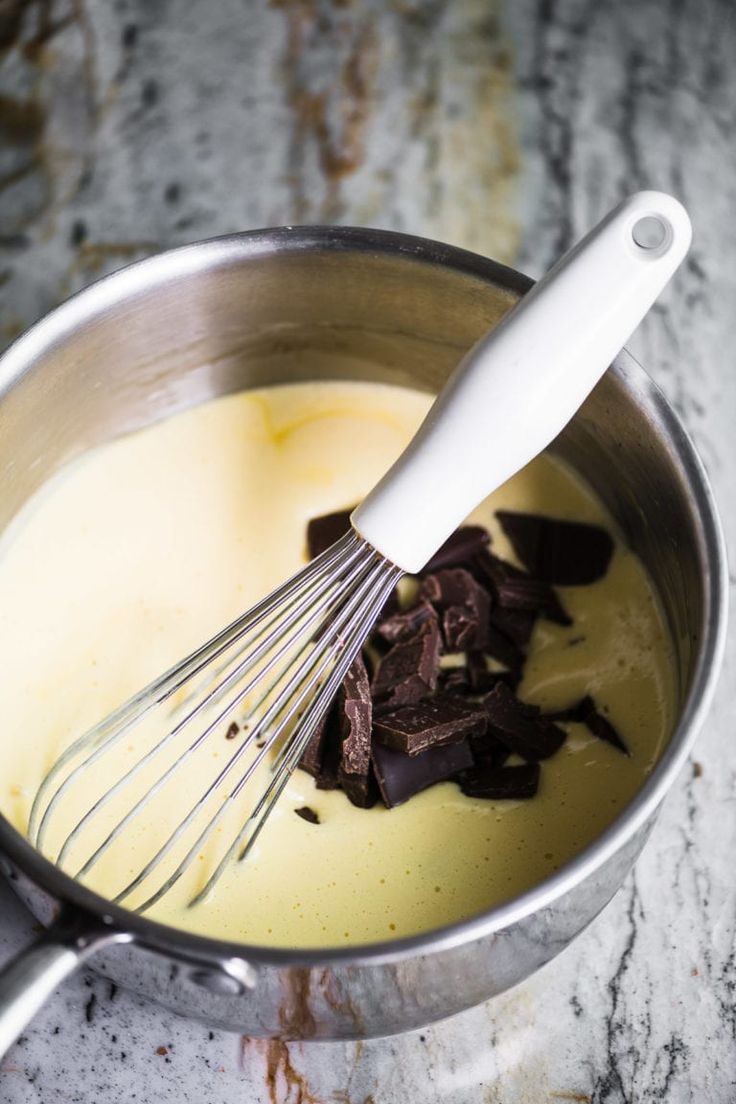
x=506, y=126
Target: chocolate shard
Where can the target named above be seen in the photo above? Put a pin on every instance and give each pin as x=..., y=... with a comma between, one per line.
x=311, y=758
x=435, y=722
x=307, y=814
x=533, y=595
x=516, y=625
x=501, y=783
x=520, y=727
x=409, y=671
x=516, y=590
x=504, y=650
x=600, y=726
x=459, y=547
x=463, y=604
x=401, y=776
x=565, y=553
x=406, y=623
x=355, y=712
x=488, y=753
x=322, y=532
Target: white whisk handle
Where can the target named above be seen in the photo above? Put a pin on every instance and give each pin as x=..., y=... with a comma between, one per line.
x=520, y=385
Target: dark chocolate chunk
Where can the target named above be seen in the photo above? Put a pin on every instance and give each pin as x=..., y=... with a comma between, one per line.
x=515, y=624
x=463, y=604
x=493, y=572
x=435, y=722
x=520, y=727
x=514, y=589
x=586, y=712
x=232, y=730
x=454, y=586
x=460, y=629
x=311, y=757
x=504, y=650
x=459, y=547
x=501, y=783
x=488, y=753
x=409, y=671
x=567, y=553
x=601, y=727
x=322, y=532
x=307, y=814
x=403, y=625
x=534, y=595
x=355, y=714
x=401, y=776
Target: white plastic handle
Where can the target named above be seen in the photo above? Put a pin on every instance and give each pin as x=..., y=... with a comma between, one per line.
x=520, y=385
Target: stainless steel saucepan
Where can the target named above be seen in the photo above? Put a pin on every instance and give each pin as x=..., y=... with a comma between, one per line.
x=294, y=304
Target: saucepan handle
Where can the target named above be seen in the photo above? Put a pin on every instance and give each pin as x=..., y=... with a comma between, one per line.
x=28, y=981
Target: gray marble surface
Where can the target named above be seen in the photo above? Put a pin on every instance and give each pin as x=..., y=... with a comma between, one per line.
x=506, y=127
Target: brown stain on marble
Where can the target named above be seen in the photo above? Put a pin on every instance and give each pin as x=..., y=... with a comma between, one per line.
x=284, y=1083
x=452, y=102
x=580, y=1098
x=328, y=116
x=279, y=1065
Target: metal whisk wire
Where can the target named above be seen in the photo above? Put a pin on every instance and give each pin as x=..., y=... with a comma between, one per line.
x=113, y=727
x=299, y=641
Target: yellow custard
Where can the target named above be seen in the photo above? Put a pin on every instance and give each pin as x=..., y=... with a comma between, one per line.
x=138, y=553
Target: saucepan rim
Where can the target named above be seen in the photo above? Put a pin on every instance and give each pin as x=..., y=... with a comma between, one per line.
x=153, y=272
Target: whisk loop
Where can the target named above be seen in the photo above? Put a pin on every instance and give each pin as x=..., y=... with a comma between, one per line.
x=294, y=648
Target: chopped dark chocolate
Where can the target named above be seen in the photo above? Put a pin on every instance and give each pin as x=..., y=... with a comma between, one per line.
x=409, y=671
x=434, y=722
x=321, y=756
x=488, y=753
x=522, y=728
x=525, y=593
x=398, y=735
x=311, y=758
x=232, y=730
x=401, y=776
x=459, y=547
x=407, y=623
x=322, y=532
x=601, y=727
x=515, y=624
x=307, y=814
x=504, y=650
x=501, y=783
x=355, y=713
x=514, y=589
x=567, y=553
x=586, y=712
x=328, y=779
x=463, y=604
x=460, y=629
x=453, y=586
